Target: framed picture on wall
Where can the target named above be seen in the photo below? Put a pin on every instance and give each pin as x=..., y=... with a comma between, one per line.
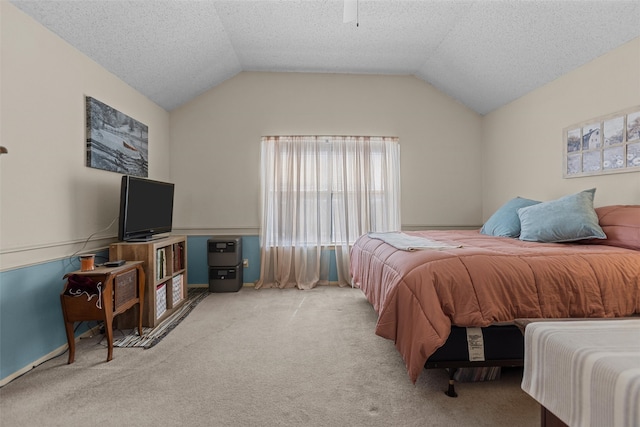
x=574, y=140
x=613, y=131
x=633, y=126
x=591, y=137
x=633, y=155
x=115, y=141
x=607, y=144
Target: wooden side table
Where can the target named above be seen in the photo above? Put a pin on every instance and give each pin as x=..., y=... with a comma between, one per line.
x=122, y=289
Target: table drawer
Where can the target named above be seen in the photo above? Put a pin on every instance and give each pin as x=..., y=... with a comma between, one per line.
x=125, y=288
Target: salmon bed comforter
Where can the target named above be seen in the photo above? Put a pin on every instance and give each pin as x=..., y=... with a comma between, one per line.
x=488, y=280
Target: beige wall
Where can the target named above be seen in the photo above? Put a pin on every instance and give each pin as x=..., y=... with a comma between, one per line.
x=523, y=142
x=216, y=143
x=457, y=167
x=50, y=202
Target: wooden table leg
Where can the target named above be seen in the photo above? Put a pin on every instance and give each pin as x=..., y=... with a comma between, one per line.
x=140, y=319
x=71, y=339
x=108, y=327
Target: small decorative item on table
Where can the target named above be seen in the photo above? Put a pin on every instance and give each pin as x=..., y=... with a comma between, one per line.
x=87, y=262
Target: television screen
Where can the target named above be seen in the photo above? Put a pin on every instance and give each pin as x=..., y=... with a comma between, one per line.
x=146, y=208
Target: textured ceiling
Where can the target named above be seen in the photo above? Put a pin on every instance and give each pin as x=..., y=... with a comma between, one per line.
x=482, y=53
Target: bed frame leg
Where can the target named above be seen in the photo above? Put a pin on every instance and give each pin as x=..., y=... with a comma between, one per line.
x=451, y=391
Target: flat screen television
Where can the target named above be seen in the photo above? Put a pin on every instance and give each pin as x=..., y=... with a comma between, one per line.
x=146, y=209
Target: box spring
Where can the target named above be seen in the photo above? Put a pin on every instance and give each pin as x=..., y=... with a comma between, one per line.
x=503, y=346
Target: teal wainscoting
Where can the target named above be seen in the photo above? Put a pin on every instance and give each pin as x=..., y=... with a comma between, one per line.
x=31, y=324
x=198, y=269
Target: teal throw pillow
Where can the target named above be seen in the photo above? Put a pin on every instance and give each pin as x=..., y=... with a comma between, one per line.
x=567, y=219
x=505, y=221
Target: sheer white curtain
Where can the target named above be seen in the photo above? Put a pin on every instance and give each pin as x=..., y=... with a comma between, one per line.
x=366, y=190
x=318, y=193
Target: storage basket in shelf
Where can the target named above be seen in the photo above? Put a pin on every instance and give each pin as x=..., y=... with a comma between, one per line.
x=161, y=299
x=176, y=288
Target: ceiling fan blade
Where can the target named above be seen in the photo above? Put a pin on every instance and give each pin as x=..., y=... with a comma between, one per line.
x=350, y=11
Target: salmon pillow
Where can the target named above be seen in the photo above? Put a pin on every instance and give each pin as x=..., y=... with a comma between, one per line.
x=621, y=224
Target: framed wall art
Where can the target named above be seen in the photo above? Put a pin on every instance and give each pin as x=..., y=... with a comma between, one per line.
x=607, y=144
x=115, y=141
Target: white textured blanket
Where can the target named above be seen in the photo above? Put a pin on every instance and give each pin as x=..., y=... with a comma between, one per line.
x=587, y=373
x=408, y=242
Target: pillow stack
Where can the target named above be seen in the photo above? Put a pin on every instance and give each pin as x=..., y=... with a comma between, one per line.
x=567, y=219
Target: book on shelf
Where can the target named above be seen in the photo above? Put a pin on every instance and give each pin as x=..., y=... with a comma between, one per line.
x=178, y=256
x=161, y=261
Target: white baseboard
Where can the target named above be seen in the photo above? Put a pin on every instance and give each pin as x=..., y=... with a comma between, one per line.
x=55, y=353
x=200, y=285
x=251, y=285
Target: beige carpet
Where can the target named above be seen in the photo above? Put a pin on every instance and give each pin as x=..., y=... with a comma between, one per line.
x=260, y=358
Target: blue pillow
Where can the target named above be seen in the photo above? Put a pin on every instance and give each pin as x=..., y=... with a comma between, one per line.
x=567, y=219
x=505, y=221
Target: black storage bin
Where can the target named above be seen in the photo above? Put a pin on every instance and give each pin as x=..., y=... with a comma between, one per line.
x=224, y=251
x=225, y=279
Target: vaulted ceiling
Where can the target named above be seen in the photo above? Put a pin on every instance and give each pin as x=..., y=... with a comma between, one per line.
x=483, y=53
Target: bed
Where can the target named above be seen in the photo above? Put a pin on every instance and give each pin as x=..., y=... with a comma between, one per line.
x=429, y=299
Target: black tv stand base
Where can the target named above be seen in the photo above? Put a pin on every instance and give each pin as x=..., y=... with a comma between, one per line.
x=146, y=239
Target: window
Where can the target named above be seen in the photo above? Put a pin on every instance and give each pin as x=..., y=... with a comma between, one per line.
x=320, y=191
x=318, y=181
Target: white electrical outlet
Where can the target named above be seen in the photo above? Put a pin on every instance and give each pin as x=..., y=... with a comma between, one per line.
x=245, y=263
